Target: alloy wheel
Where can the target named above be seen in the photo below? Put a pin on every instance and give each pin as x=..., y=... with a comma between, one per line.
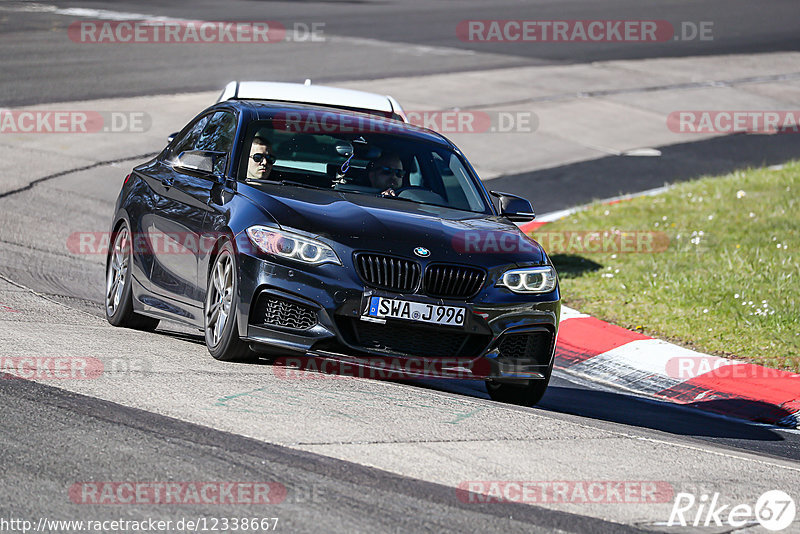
x=219, y=299
x=117, y=273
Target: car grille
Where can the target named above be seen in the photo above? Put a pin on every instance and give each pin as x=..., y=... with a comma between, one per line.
x=412, y=340
x=387, y=272
x=274, y=311
x=530, y=346
x=453, y=281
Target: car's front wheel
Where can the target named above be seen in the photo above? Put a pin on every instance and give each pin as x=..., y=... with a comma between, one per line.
x=522, y=392
x=221, y=331
x=119, y=296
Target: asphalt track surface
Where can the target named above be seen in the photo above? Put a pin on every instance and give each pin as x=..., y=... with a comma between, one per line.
x=366, y=39
x=51, y=438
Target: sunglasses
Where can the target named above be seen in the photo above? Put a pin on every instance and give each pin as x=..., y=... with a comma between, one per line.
x=258, y=158
x=397, y=173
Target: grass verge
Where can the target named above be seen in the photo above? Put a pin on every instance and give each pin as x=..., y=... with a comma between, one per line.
x=722, y=274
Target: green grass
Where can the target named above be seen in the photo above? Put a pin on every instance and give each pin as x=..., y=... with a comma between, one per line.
x=728, y=282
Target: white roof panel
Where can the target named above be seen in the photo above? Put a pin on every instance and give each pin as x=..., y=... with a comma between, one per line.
x=309, y=94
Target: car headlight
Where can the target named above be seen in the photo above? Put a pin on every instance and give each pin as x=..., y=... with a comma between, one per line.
x=529, y=280
x=292, y=246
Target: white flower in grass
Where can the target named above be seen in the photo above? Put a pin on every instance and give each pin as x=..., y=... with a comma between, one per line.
x=705, y=310
x=740, y=194
x=736, y=296
x=710, y=217
x=752, y=214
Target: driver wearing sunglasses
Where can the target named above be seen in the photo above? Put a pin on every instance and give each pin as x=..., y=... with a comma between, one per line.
x=261, y=159
x=387, y=173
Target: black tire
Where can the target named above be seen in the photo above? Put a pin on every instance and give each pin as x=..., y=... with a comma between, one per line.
x=222, y=339
x=118, y=294
x=522, y=393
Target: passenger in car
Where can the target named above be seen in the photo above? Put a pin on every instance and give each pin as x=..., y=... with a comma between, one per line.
x=387, y=173
x=261, y=160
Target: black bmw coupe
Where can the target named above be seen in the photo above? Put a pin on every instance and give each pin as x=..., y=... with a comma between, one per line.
x=286, y=229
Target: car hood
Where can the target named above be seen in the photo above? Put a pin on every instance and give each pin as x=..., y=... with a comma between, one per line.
x=365, y=222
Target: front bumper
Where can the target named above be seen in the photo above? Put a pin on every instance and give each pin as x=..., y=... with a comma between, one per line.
x=286, y=310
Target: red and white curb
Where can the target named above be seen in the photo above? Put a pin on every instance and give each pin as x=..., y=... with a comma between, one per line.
x=593, y=349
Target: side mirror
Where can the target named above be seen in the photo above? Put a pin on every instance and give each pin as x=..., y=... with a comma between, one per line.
x=514, y=208
x=204, y=161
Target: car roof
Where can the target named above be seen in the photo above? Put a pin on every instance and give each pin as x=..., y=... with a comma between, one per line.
x=310, y=94
x=265, y=110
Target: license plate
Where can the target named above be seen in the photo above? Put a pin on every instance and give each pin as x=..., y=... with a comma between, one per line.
x=385, y=308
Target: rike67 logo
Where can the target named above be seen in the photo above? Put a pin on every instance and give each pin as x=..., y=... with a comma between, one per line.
x=774, y=510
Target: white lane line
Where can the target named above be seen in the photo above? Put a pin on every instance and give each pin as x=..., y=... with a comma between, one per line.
x=560, y=214
x=105, y=14
x=100, y=14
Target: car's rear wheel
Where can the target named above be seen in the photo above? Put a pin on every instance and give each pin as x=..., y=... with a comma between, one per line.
x=119, y=297
x=221, y=331
x=523, y=392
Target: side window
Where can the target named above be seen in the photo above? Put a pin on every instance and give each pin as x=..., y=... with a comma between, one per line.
x=189, y=140
x=218, y=134
x=213, y=133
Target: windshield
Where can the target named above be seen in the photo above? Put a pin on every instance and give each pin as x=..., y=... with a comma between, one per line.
x=373, y=163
